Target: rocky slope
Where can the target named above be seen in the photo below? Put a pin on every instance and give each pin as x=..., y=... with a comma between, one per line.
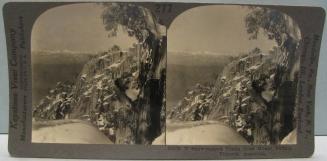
x=187, y=69
x=254, y=95
x=44, y=62
x=110, y=93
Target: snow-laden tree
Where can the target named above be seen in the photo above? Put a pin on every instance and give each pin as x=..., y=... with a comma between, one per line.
x=141, y=23
x=285, y=32
x=279, y=27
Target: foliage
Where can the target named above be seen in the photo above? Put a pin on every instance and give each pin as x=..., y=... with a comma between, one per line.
x=256, y=51
x=140, y=23
x=115, y=48
x=130, y=17
x=272, y=22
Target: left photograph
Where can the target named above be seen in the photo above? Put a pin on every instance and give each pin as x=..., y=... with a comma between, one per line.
x=99, y=75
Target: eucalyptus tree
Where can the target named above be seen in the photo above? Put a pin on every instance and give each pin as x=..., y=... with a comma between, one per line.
x=286, y=33
x=140, y=23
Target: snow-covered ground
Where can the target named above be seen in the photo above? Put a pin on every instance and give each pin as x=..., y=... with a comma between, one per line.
x=67, y=131
x=199, y=133
x=291, y=138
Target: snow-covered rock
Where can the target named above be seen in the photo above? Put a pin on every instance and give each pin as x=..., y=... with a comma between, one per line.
x=252, y=94
x=68, y=132
x=199, y=133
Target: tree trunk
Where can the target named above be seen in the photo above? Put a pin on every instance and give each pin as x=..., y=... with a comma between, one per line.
x=152, y=80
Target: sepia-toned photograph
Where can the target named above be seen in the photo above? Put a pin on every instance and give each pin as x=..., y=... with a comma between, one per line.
x=98, y=72
x=232, y=77
x=99, y=76
x=162, y=80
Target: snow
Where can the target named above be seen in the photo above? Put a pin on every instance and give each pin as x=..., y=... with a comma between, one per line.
x=135, y=74
x=199, y=133
x=185, y=109
x=86, y=93
x=114, y=66
x=84, y=76
x=268, y=95
x=238, y=86
x=104, y=56
x=67, y=131
x=246, y=99
x=227, y=94
x=290, y=138
x=162, y=30
x=243, y=105
x=48, y=108
x=237, y=78
x=99, y=85
x=98, y=76
x=255, y=67
x=187, y=99
x=107, y=97
x=272, y=76
x=132, y=93
x=244, y=59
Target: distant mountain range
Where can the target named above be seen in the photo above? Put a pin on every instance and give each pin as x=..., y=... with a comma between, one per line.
x=198, y=58
x=66, y=51
x=46, y=66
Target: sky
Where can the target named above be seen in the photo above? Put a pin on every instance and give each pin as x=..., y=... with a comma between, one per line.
x=218, y=29
x=75, y=27
x=79, y=28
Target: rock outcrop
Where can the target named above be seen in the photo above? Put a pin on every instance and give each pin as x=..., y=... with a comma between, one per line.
x=254, y=95
x=113, y=92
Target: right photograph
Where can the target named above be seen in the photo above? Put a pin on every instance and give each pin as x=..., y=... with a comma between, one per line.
x=232, y=77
